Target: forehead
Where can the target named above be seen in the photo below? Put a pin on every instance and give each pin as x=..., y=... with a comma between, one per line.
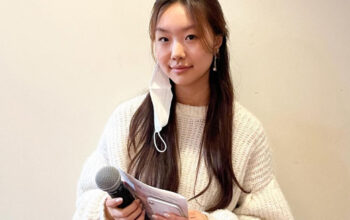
x=175, y=18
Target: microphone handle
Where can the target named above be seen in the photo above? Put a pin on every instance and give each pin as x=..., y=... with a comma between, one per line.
x=128, y=198
x=124, y=193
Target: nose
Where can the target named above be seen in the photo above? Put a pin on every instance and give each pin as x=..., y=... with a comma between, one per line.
x=177, y=51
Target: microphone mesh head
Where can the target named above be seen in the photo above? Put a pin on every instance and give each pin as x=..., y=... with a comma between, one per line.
x=108, y=179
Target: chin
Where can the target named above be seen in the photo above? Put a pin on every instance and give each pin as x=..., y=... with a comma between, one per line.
x=181, y=82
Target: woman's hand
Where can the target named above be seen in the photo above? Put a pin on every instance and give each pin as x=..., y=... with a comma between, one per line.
x=134, y=211
x=192, y=215
x=196, y=215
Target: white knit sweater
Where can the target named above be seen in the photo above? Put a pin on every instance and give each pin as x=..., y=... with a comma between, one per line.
x=251, y=161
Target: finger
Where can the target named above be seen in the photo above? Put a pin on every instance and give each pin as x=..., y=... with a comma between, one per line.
x=136, y=213
x=194, y=214
x=170, y=216
x=113, y=203
x=125, y=212
x=158, y=217
x=142, y=216
x=174, y=216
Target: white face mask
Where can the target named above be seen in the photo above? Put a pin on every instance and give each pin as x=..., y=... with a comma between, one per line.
x=161, y=95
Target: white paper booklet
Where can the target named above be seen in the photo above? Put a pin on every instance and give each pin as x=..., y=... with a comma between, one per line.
x=156, y=201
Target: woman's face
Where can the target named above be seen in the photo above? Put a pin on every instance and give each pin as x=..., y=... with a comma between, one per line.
x=178, y=49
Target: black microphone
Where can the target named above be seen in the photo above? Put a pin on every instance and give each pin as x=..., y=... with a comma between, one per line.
x=108, y=179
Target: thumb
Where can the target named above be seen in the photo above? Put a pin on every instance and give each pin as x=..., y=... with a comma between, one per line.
x=113, y=203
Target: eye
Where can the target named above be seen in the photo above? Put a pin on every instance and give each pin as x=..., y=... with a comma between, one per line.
x=163, y=39
x=191, y=37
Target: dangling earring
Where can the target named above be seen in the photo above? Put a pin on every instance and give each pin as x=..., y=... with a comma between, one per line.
x=214, y=66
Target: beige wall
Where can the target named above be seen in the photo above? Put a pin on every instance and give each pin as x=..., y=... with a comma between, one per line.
x=65, y=65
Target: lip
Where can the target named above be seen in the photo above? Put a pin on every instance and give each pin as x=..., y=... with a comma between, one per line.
x=180, y=69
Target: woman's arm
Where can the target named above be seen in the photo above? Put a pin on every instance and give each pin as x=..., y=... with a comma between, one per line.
x=266, y=200
x=90, y=199
x=90, y=202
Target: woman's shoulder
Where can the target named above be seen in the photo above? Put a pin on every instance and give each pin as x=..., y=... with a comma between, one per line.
x=245, y=121
x=132, y=103
x=128, y=107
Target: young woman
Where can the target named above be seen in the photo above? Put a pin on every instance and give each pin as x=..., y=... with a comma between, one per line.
x=188, y=134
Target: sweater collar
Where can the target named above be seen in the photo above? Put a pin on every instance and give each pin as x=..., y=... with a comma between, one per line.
x=198, y=112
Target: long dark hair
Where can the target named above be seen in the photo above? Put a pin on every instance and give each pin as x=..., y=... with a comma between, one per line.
x=162, y=169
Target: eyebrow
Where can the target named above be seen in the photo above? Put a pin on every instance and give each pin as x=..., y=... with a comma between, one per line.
x=182, y=29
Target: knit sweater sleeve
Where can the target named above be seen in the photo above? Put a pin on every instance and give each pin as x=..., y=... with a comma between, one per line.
x=111, y=151
x=90, y=199
x=265, y=200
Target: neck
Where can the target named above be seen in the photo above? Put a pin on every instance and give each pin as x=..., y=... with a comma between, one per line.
x=192, y=96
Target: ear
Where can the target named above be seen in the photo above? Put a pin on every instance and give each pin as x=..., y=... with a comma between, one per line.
x=217, y=42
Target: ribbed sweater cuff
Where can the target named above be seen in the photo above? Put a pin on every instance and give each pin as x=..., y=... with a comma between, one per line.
x=102, y=212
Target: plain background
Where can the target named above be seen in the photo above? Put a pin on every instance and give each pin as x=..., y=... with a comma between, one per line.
x=65, y=65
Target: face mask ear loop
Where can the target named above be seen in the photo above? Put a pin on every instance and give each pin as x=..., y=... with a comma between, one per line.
x=155, y=142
